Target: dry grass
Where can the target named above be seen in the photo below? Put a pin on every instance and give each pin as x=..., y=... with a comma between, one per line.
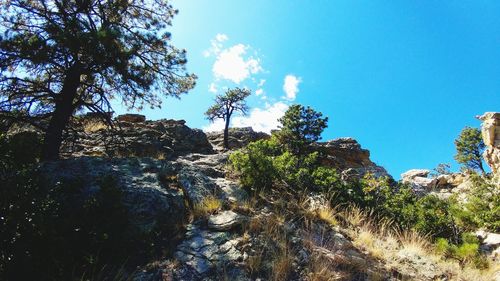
x=327, y=214
x=354, y=216
x=254, y=263
x=406, y=251
x=282, y=264
x=93, y=126
x=209, y=205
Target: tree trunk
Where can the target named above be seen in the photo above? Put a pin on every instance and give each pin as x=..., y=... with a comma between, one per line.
x=64, y=108
x=226, y=134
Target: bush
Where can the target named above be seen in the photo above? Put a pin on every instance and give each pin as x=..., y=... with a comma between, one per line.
x=432, y=217
x=264, y=164
x=467, y=251
x=254, y=164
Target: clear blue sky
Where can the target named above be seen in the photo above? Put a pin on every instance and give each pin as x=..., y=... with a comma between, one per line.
x=401, y=77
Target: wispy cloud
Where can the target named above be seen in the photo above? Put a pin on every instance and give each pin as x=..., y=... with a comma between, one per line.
x=291, y=86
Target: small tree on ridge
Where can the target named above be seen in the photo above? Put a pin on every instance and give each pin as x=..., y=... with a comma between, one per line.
x=301, y=126
x=225, y=105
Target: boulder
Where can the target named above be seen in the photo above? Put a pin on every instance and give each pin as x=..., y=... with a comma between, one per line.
x=419, y=181
x=490, y=243
x=238, y=137
x=150, y=205
x=411, y=174
x=350, y=160
x=225, y=220
x=131, y=118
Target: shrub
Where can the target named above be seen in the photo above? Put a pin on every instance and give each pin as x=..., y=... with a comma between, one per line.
x=432, y=217
x=254, y=164
x=482, y=207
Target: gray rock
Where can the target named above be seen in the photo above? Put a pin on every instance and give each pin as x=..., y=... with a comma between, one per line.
x=149, y=205
x=201, y=265
x=350, y=160
x=225, y=221
x=411, y=174
x=134, y=136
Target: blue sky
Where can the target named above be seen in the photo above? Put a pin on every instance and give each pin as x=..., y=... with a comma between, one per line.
x=401, y=77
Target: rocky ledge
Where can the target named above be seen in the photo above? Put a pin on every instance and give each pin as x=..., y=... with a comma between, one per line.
x=136, y=136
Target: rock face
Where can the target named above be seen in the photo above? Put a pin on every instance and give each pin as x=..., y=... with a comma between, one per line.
x=149, y=203
x=347, y=156
x=442, y=185
x=490, y=129
x=132, y=118
x=238, y=137
x=138, y=137
x=418, y=180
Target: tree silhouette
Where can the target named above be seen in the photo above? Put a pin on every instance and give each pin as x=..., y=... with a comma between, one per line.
x=61, y=56
x=225, y=105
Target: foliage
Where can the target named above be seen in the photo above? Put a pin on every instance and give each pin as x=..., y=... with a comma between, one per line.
x=441, y=169
x=231, y=101
x=264, y=164
x=254, y=164
x=482, y=208
x=432, y=216
x=470, y=146
x=467, y=251
x=301, y=126
x=58, y=57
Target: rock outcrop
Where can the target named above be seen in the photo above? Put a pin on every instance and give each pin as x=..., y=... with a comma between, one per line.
x=490, y=129
x=149, y=203
x=418, y=179
x=135, y=136
x=238, y=137
x=350, y=160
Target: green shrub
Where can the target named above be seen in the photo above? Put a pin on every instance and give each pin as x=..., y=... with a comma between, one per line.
x=433, y=217
x=442, y=246
x=264, y=164
x=254, y=164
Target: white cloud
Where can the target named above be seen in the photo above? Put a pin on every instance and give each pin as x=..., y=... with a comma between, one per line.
x=232, y=65
x=259, y=92
x=212, y=88
x=221, y=37
x=291, y=86
x=215, y=45
x=261, y=82
x=217, y=125
x=262, y=119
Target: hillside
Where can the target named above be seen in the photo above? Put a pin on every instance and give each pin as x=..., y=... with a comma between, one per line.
x=186, y=216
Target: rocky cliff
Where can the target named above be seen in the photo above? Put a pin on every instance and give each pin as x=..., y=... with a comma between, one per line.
x=133, y=135
x=490, y=129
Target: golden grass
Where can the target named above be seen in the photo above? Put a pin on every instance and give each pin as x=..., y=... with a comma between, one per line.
x=327, y=214
x=209, y=205
x=92, y=126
